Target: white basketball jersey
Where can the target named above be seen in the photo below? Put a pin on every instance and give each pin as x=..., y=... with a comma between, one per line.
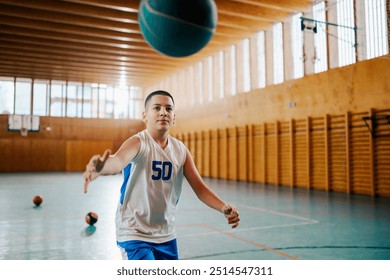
x=150, y=191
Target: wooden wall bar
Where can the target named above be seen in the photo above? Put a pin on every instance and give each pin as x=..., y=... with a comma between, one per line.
x=329, y=153
x=66, y=146
x=382, y=156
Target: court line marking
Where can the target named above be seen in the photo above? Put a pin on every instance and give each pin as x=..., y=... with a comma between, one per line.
x=256, y=244
x=247, y=229
x=279, y=213
x=306, y=221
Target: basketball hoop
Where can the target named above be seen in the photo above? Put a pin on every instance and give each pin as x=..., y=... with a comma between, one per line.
x=23, y=131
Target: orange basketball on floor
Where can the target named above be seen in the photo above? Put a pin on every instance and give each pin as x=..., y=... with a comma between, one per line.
x=91, y=218
x=37, y=200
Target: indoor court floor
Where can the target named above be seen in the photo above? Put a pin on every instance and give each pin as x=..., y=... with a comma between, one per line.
x=277, y=223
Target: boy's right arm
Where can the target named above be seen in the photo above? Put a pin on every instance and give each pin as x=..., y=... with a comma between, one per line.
x=111, y=164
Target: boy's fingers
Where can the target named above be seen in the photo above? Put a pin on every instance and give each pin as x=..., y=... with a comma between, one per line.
x=231, y=213
x=102, y=160
x=227, y=209
x=86, y=181
x=105, y=156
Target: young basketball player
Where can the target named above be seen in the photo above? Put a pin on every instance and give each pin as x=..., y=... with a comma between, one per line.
x=154, y=164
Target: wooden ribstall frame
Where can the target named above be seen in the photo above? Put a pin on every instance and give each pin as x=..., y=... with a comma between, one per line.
x=360, y=156
x=242, y=153
x=284, y=154
x=206, y=154
x=317, y=154
x=330, y=153
x=270, y=154
x=258, y=153
x=214, y=151
x=223, y=153
x=232, y=152
x=300, y=158
x=337, y=160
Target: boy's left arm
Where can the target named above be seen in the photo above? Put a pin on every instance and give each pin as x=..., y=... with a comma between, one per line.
x=207, y=195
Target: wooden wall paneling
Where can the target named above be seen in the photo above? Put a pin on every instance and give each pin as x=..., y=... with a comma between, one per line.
x=185, y=140
x=206, y=153
x=371, y=151
x=308, y=152
x=232, y=153
x=317, y=147
x=258, y=151
x=21, y=151
x=337, y=154
x=223, y=153
x=292, y=152
x=270, y=151
x=382, y=155
x=7, y=154
x=326, y=148
x=56, y=156
x=192, y=146
x=284, y=153
x=360, y=155
x=75, y=158
x=199, y=152
x=214, y=151
x=277, y=152
x=348, y=150
x=250, y=153
x=242, y=153
x=300, y=165
x=46, y=150
x=48, y=155
x=87, y=149
x=264, y=153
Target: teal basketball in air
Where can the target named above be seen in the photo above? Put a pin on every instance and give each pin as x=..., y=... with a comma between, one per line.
x=177, y=28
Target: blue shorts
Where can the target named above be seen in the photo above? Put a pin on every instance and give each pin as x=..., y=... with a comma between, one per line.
x=142, y=250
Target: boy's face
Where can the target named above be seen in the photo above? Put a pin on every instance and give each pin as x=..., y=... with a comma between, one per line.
x=159, y=113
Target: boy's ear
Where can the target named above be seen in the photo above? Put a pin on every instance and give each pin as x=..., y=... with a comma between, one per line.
x=144, y=117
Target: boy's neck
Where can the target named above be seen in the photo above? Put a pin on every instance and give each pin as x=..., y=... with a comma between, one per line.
x=160, y=137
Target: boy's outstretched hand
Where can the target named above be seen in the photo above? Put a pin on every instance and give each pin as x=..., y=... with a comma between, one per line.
x=231, y=214
x=94, y=167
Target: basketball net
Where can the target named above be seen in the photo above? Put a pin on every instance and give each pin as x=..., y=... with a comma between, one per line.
x=23, y=131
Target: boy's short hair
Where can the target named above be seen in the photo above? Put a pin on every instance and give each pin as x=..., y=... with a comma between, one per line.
x=158, y=92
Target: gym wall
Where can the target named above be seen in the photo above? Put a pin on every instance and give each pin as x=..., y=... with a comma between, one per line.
x=68, y=146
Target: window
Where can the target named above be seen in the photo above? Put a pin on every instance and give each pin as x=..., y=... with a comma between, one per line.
x=57, y=98
x=297, y=46
x=23, y=96
x=246, y=65
x=376, y=31
x=190, y=94
x=121, y=102
x=221, y=76
x=136, y=102
x=95, y=100
x=210, y=78
x=87, y=101
x=199, y=73
x=102, y=101
x=278, y=53
x=71, y=98
x=320, y=58
x=40, y=98
x=6, y=95
x=345, y=32
x=261, y=59
x=68, y=99
x=233, y=74
x=80, y=101
x=109, y=108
